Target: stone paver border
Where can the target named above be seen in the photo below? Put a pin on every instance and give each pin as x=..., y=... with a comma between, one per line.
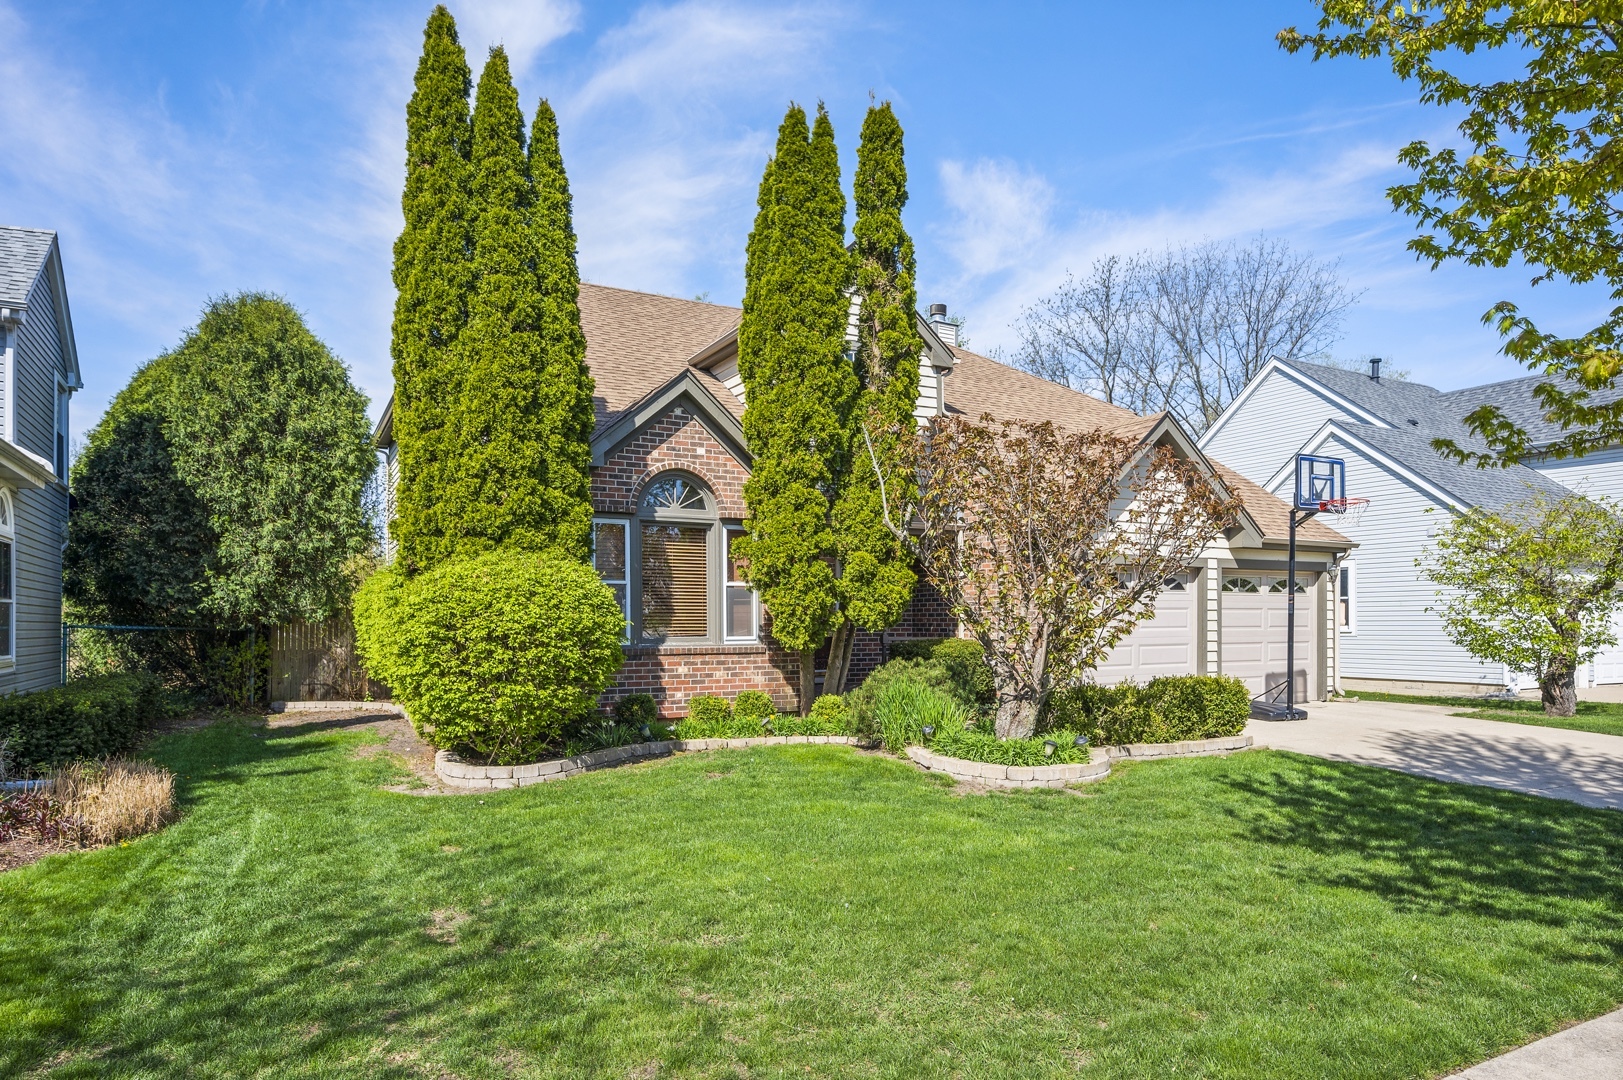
x=454, y=772
x=1019, y=777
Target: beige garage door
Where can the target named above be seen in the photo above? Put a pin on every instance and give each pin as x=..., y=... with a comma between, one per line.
x=1163, y=644
x=1253, y=645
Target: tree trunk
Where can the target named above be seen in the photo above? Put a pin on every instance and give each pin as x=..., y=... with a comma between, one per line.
x=840, y=647
x=1016, y=718
x=808, y=680
x=1559, y=688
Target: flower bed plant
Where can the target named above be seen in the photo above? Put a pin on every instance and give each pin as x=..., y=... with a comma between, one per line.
x=753, y=715
x=1055, y=748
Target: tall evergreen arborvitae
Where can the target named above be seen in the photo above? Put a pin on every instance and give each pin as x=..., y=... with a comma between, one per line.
x=876, y=575
x=566, y=390
x=506, y=424
x=800, y=389
x=433, y=276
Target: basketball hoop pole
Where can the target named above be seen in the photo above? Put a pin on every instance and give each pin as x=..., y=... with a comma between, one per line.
x=1290, y=618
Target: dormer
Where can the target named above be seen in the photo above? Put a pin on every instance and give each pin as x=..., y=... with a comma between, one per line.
x=936, y=361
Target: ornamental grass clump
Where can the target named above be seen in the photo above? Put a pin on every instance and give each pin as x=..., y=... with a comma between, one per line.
x=495, y=655
x=1055, y=748
x=905, y=708
x=107, y=802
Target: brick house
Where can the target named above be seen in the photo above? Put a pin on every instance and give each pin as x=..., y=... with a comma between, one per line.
x=669, y=465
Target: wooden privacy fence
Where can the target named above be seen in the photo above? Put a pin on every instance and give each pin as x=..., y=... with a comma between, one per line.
x=317, y=662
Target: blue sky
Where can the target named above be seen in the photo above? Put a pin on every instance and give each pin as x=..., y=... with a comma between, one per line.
x=185, y=150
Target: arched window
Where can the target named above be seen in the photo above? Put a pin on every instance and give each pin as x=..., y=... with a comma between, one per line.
x=8, y=603
x=678, y=519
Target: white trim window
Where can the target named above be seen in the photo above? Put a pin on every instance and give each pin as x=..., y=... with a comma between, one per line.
x=743, y=615
x=8, y=578
x=1347, y=598
x=611, y=558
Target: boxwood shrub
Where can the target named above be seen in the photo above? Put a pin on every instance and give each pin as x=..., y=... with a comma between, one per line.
x=497, y=654
x=1168, y=709
x=84, y=720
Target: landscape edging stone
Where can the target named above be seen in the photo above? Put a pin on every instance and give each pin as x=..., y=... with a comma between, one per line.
x=1021, y=777
x=454, y=772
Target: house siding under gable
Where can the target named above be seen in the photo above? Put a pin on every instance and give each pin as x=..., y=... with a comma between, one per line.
x=1266, y=431
x=1397, y=637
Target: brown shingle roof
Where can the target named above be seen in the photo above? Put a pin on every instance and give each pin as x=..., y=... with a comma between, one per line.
x=1272, y=514
x=979, y=385
x=637, y=342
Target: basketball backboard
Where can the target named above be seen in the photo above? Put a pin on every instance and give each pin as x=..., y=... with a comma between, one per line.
x=1321, y=482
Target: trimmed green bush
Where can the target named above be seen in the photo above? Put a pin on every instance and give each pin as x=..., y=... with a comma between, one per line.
x=496, y=654
x=963, y=660
x=905, y=707
x=863, y=699
x=829, y=716
x=635, y=710
x=84, y=720
x=1168, y=709
x=754, y=705
x=984, y=746
x=713, y=718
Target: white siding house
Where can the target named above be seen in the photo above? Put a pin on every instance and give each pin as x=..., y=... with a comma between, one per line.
x=1389, y=638
x=39, y=370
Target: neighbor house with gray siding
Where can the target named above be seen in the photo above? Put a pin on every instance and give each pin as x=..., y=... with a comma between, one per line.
x=39, y=371
x=1389, y=635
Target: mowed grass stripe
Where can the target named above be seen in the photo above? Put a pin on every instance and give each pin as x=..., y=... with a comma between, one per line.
x=808, y=910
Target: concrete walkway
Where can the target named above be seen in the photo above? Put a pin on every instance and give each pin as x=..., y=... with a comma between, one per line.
x=1578, y=766
x=1592, y=1051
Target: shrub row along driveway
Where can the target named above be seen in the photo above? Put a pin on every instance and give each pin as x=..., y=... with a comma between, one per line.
x=1580, y=766
x=807, y=911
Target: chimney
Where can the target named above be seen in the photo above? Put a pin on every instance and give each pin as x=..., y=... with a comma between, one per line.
x=1375, y=368
x=945, y=330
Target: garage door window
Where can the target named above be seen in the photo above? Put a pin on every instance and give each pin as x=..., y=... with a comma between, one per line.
x=1239, y=584
x=1278, y=585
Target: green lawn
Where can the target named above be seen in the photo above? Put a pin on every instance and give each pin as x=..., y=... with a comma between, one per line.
x=808, y=911
x=1603, y=717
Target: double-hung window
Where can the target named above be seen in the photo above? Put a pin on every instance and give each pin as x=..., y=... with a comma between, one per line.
x=611, y=549
x=1347, y=598
x=743, y=611
x=62, y=396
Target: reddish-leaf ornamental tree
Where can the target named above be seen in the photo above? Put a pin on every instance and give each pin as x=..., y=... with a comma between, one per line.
x=1050, y=545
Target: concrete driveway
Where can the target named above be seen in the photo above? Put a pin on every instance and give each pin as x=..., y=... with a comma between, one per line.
x=1425, y=740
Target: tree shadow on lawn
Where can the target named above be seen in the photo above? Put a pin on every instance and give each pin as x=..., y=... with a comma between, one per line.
x=1430, y=847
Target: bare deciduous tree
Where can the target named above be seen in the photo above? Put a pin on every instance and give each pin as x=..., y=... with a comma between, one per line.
x=1050, y=546
x=1184, y=329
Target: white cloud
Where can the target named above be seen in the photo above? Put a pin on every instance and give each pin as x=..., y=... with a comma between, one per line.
x=1000, y=214
x=522, y=27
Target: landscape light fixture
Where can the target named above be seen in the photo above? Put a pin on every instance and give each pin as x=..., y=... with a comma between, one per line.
x=1081, y=742
x=766, y=725
x=1049, y=746
x=646, y=732
x=928, y=731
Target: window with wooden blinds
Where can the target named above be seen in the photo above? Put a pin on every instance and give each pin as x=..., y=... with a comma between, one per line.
x=675, y=581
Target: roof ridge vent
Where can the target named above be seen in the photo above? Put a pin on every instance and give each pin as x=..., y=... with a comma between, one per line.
x=1375, y=368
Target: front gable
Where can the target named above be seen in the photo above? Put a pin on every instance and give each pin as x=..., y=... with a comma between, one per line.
x=1274, y=416
x=680, y=427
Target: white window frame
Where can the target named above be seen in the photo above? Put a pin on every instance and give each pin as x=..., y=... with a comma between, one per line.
x=624, y=581
x=1348, y=574
x=8, y=537
x=728, y=585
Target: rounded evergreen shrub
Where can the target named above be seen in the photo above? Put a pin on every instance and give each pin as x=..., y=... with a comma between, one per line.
x=754, y=705
x=1167, y=709
x=493, y=654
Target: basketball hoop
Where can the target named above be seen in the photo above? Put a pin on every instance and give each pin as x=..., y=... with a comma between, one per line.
x=1350, y=511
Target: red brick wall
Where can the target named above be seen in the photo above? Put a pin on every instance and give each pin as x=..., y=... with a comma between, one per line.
x=677, y=440
x=675, y=673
